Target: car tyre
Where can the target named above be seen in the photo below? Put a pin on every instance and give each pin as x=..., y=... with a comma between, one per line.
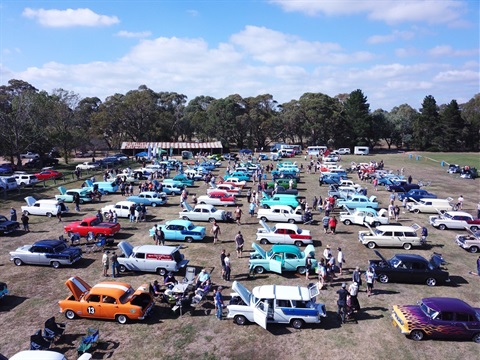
x=442, y=227
x=347, y=222
x=407, y=246
x=301, y=270
x=188, y=239
x=49, y=214
x=297, y=323
x=70, y=314
x=122, y=319
x=161, y=271
x=473, y=249
x=55, y=264
x=417, y=335
x=371, y=245
x=259, y=270
x=431, y=282
x=185, y=218
x=240, y=320
x=298, y=243
x=122, y=268
x=264, y=241
x=474, y=228
x=263, y=218
x=291, y=221
x=383, y=278
x=476, y=338
x=18, y=262
x=154, y=204
x=376, y=223
x=416, y=211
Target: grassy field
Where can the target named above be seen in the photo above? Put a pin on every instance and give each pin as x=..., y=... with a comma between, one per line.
x=35, y=290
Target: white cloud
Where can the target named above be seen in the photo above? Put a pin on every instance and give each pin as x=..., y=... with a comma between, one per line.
x=388, y=11
x=395, y=35
x=130, y=34
x=193, y=13
x=69, y=17
x=447, y=50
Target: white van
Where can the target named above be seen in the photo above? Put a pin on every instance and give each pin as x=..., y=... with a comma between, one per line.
x=25, y=179
x=361, y=150
x=8, y=183
x=431, y=206
x=45, y=207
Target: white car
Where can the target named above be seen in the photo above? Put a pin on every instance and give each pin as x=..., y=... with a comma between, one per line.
x=202, y=212
x=269, y=304
x=44, y=355
x=88, y=165
x=391, y=235
x=193, y=174
x=122, y=208
x=455, y=220
x=215, y=199
x=25, y=179
x=45, y=207
x=228, y=188
x=362, y=216
x=284, y=233
x=280, y=213
x=343, y=151
x=428, y=205
x=30, y=155
x=236, y=182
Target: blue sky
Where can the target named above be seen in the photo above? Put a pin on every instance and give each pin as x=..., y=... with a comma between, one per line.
x=395, y=51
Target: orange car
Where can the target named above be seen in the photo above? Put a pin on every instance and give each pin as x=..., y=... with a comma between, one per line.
x=106, y=300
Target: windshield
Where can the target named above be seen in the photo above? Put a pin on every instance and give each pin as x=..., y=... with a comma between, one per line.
x=377, y=232
x=395, y=262
x=60, y=247
x=269, y=253
x=126, y=295
x=447, y=216
x=191, y=227
x=432, y=314
x=214, y=209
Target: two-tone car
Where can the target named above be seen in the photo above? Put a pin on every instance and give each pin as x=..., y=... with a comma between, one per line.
x=202, y=212
x=279, y=199
x=54, y=253
x=106, y=187
x=458, y=220
x=281, y=213
x=217, y=198
x=85, y=195
x=391, y=236
x=283, y=233
x=181, y=230
x=362, y=216
x=358, y=201
x=149, y=198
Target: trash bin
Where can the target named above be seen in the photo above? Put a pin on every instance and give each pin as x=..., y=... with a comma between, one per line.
x=418, y=157
x=442, y=164
x=410, y=156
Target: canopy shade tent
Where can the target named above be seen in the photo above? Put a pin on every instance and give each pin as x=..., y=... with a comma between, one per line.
x=142, y=154
x=245, y=151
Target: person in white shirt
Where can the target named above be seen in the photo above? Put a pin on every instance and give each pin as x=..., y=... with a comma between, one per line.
x=340, y=260
x=327, y=252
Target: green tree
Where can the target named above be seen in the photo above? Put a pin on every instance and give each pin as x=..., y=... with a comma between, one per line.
x=471, y=117
x=356, y=112
x=451, y=129
x=425, y=127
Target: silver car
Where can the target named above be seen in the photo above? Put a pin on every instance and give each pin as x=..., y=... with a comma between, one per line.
x=54, y=253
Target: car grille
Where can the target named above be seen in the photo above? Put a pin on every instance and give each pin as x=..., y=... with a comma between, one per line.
x=397, y=318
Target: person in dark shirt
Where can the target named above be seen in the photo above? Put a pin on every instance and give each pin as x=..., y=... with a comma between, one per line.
x=342, y=302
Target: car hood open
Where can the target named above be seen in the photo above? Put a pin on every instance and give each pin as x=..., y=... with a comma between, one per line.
x=126, y=248
x=259, y=250
x=78, y=287
x=242, y=292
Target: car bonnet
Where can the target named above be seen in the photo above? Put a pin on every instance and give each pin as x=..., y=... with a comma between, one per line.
x=126, y=248
x=78, y=287
x=258, y=249
x=62, y=190
x=242, y=292
x=30, y=200
x=380, y=256
x=265, y=226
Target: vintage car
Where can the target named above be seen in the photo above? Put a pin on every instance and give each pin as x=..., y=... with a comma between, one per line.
x=122, y=208
x=88, y=165
x=45, y=355
x=454, y=169
x=282, y=182
x=279, y=199
x=7, y=226
x=242, y=176
x=275, y=304
x=329, y=178
x=281, y=190
x=410, y=268
x=54, y=253
x=280, y=258
x=343, y=192
x=227, y=188
x=149, y=198
x=438, y=317
x=181, y=230
x=218, y=198
x=433, y=206
x=193, y=174
x=85, y=195
x=284, y=233
x=29, y=155
x=391, y=235
x=150, y=258
x=280, y=213
x=112, y=300
x=202, y=212
x=171, y=189
x=235, y=182
x=458, y=220
x=92, y=225
x=45, y=207
x=48, y=174
x=358, y=201
x=184, y=180
x=3, y=290
x=416, y=194
x=470, y=242
x=470, y=173
x=286, y=175
x=106, y=187
x=362, y=216
x=401, y=186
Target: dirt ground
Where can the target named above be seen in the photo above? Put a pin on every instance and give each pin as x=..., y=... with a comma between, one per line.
x=35, y=291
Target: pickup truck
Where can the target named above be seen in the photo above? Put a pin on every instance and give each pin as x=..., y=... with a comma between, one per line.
x=92, y=224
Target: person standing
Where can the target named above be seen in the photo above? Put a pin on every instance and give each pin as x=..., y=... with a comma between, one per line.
x=332, y=223
x=215, y=231
x=325, y=221
x=99, y=216
x=396, y=212
x=228, y=268
x=115, y=264
x=239, y=241
x=308, y=266
x=357, y=276
x=353, y=291
x=76, y=200
x=222, y=262
x=460, y=201
x=59, y=212
x=13, y=214
x=478, y=266
x=25, y=220
x=252, y=208
x=161, y=236
x=105, y=263
x=322, y=274
x=249, y=195
x=478, y=210
x=238, y=215
x=340, y=260
x=132, y=213
x=342, y=302
x=219, y=303
x=370, y=280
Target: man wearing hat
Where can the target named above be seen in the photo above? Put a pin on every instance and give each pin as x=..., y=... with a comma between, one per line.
x=342, y=302
x=105, y=262
x=219, y=303
x=327, y=253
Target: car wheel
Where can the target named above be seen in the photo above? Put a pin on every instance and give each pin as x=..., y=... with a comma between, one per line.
x=474, y=228
x=55, y=264
x=473, y=249
x=347, y=222
x=211, y=220
x=371, y=245
x=22, y=185
x=81, y=201
x=122, y=319
x=298, y=243
x=26, y=212
x=202, y=202
x=154, y=204
x=301, y=270
x=49, y=214
x=17, y=262
x=407, y=246
x=70, y=314
x=240, y=320
x=417, y=335
x=185, y=218
x=105, y=214
x=431, y=282
x=161, y=271
x=476, y=338
x=376, y=223
x=265, y=206
x=264, y=241
x=442, y=227
x=122, y=268
x=416, y=211
x=291, y=221
x=188, y=239
x=259, y=270
x=383, y=278
x=297, y=323
x=263, y=218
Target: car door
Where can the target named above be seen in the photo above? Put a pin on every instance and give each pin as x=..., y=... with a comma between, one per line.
x=91, y=307
x=33, y=256
x=387, y=238
x=276, y=262
x=397, y=239
x=278, y=236
x=260, y=313
x=419, y=272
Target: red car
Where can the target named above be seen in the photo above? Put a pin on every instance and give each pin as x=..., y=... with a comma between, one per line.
x=92, y=224
x=48, y=174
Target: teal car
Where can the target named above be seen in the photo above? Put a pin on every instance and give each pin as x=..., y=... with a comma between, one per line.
x=242, y=176
x=174, y=183
x=67, y=195
x=184, y=180
x=105, y=187
x=282, y=182
x=280, y=258
x=279, y=199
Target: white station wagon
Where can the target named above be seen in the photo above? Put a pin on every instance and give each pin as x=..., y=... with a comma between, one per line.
x=391, y=235
x=280, y=213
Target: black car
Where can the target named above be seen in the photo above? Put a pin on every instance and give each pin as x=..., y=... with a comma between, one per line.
x=41, y=162
x=401, y=186
x=410, y=268
x=7, y=226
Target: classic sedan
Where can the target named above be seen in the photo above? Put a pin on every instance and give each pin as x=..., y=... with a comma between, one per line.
x=358, y=201
x=280, y=258
x=416, y=194
x=122, y=208
x=85, y=195
x=240, y=175
x=281, y=213
x=235, y=182
x=362, y=216
x=171, y=189
x=181, y=230
x=92, y=225
x=202, y=212
x=106, y=187
x=218, y=198
x=279, y=199
x=470, y=242
x=7, y=226
x=283, y=234
x=458, y=220
x=55, y=253
x=48, y=174
x=149, y=198
x=438, y=317
x=182, y=178
x=410, y=268
x=401, y=186
x=112, y=300
x=227, y=188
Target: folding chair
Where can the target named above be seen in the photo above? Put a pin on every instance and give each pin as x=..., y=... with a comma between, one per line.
x=74, y=238
x=91, y=237
x=100, y=244
x=38, y=342
x=189, y=275
x=53, y=330
x=88, y=341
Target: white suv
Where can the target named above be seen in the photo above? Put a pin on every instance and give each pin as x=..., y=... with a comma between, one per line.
x=343, y=151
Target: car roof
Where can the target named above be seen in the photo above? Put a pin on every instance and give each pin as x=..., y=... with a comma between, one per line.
x=410, y=257
x=179, y=222
x=48, y=242
x=448, y=304
x=286, y=248
x=283, y=292
x=462, y=213
x=115, y=289
x=395, y=227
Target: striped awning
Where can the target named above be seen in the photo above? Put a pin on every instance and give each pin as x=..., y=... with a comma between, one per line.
x=171, y=145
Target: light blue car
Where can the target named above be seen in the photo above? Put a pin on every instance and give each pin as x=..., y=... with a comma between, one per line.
x=358, y=201
x=242, y=176
x=149, y=198
x=279, y=199
x=106, y=187
x=181, y=230
x=67, y=195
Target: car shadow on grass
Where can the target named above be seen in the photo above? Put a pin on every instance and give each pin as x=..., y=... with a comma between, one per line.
x=10, y=302
x=456, y=280
x=84, y=263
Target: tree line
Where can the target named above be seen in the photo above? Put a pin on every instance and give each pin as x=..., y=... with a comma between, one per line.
x=35, y=120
